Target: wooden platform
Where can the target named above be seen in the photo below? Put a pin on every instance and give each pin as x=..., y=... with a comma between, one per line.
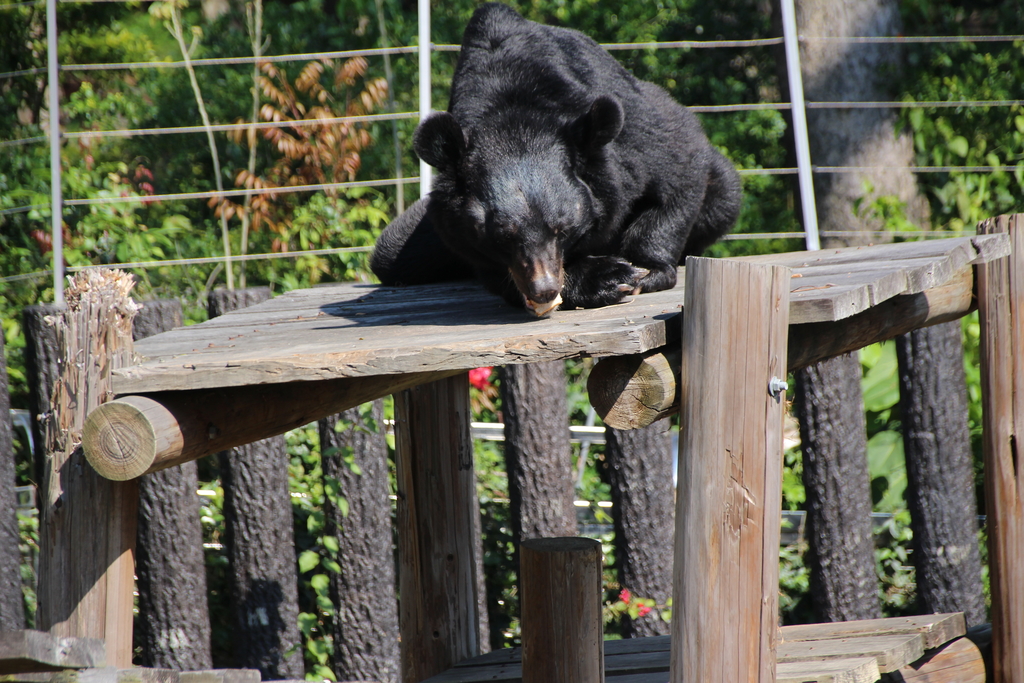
x=849, y=652
x=336, y=331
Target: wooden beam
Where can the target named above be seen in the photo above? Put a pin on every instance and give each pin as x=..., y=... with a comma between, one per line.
x=725, y=615
x=959, y=661
x=629, y=392
x=87, y=523
x=437, y=547
x=1001, y=308
x=134, y=435
x=563, y=629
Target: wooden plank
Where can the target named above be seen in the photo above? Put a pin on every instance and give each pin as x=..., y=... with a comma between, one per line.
x=957, y=662
x=937, y=629
x=728, y=516
x=27, y=650
x=560, y=599
x=891, y=652
x=1001, y=308
x=437, y=508
x=633, y=391
x=87, y=523
x=349, y=330
x=853, y=670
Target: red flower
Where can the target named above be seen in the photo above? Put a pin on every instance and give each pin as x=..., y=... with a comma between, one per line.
x=625, y=595
x=644, y=609
x=479, y=377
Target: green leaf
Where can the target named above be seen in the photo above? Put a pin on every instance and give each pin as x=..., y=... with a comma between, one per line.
x=881, y=384
x=308, y=560
x=307, y=622
x=331, y=543
x=319, y=582
x=958, y=146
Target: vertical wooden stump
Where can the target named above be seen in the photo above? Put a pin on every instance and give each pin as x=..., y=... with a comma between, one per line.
x=735, y=328
x=437, y=547
x=563, y=630
x=1001, y=308
x=88, y=523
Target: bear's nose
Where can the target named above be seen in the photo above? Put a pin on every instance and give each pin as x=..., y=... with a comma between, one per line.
x=543, y=288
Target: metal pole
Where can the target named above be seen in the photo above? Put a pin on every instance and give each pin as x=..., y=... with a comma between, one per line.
x=56, y=201
x=803, y=152
x=424, y=55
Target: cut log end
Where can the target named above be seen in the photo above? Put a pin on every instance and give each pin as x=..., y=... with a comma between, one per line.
x=119, y=440
x=629, y=392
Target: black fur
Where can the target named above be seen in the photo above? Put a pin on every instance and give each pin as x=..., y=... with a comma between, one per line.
x=558, y=171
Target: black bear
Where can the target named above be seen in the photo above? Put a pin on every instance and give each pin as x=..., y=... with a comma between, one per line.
x=562, y=178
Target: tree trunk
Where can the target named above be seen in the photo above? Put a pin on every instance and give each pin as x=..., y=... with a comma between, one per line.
x=41, y=367
x=835, y=71
x=537, y=453
x=842, y=568
x=940, y=471
x=830, y=406
x=365, y=624
x=172, y=629
x=639, y=463
x=260, y=541
x=12, y=603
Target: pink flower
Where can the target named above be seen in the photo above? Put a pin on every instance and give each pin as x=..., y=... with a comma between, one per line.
x=479, y=377
x=644, y=609
x=625, y=595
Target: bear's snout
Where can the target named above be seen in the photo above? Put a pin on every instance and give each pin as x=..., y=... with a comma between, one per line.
x=543, y=288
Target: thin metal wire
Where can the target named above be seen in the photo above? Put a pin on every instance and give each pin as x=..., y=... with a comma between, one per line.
x=23, y=72
x=688, y=44
x=723, y=108
x=918, y=169
x=22, y=209
x=199, y=260
x=235, y=61
x=914, y=105
x=903, y=40
x=238, y=192
x=225, y=127
x=23, y=141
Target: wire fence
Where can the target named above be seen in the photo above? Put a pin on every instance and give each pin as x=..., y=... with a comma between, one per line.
x=710, y=109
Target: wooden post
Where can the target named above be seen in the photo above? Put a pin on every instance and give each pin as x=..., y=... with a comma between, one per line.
x=437, y=547
x=563, y=630
x=1001, y=308
x=88, y=523
x=725, y=621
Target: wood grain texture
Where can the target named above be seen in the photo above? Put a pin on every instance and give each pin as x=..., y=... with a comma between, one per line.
x=725, y=614
x=563, y=630
x=134, y=435
x=24, y=651
x=1001, y=309
x=890, y=651
x=846, y=652
x=359, y=330
x=937, y=629
x=959, y=661
x=87, y=523
x=851, y=670
x=437, y=547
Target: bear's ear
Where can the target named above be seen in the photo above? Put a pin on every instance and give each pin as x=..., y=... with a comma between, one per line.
x=600, y=125
x=439, y=140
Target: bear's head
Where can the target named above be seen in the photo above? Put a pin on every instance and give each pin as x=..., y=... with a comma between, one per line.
x=513, y=188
